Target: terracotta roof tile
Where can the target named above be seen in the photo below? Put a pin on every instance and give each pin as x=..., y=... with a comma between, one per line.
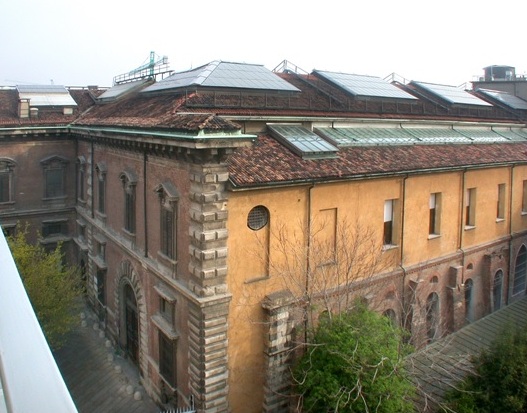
x=147, y=111
x=268, y=162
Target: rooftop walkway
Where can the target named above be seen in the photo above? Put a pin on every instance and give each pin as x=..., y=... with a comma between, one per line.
x=98, y=379
x=440, y=365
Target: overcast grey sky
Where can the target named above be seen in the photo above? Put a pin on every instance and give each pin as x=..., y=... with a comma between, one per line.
x=78, y=43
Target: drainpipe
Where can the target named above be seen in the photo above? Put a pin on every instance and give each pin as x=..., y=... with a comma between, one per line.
x=401, y=257
x=92, y=173
x=462, y=223
x=511, y=254
x=145, y=214
x=308, y=252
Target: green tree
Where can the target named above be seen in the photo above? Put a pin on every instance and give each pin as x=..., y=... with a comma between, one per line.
x=499, y=382
x=355, y=364
x=52, y=287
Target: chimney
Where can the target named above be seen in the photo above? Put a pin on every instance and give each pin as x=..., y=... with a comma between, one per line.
x=23, y=108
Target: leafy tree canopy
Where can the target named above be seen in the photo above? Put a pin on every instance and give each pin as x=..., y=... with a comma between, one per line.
x=52, y=287
x=355, y=364
x=499, y=384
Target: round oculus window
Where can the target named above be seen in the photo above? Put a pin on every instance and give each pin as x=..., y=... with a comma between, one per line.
x=258, y=218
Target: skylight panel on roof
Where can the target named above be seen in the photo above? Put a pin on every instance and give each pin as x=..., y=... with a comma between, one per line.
x=366, y=136
x=437, y=135
x=507, y=99
x=121, y=89
x=46, y=95
x=452, y=94
x=365, y=86
x=226, y=75
x=481, y=134
x=303, y=142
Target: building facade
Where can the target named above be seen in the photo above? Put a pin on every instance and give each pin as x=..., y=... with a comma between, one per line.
x=206, y=213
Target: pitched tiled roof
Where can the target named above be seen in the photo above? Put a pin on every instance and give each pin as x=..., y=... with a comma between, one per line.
x=47, y=117
x=159, y=112
x=439, y=367
x=269, y=162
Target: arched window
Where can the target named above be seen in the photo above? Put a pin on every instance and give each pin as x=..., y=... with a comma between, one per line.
x=390, y=314
x=129, y=181
x=469, y=284
x=520, y=268
x=497, y=290
x=169, y=197
x=432, y=317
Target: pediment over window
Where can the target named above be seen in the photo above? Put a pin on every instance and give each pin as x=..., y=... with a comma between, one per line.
x=54, y=159
x=6, y=164
x=167, y=191
x=128, y=177
x=101, y=168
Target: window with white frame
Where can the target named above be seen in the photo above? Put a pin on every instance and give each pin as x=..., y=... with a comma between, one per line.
x=434, y=219
x=389, y=225
x=470, y=207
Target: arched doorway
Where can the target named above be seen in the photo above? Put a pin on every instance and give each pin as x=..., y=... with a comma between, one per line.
x=469, y=285
x=131, y=324
x=432, y=317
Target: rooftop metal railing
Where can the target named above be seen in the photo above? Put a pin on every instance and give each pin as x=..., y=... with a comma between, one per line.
x=30, y=380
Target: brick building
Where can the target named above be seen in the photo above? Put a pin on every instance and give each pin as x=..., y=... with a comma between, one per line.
x=172, y=195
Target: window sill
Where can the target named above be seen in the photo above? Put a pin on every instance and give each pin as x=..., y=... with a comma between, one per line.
x=166, y=260
x=434, y=236
x=165, y=327
x=256, y=279
x=54, y=198
x=524, y=213
x=7, y=203
x=54, y=239
x=498, y=220
x=470, y=227
x=388, y=247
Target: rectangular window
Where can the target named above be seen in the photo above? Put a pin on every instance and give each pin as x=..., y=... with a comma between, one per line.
x=54, y=182
x=129, y=209
x=54, y=228
x=500, y=213
x=388, y=222
x=101, y=286
x=434, y=214
x=470, y=207
x=5, y=186
x=524, y=198
x=81, y=184
x=102, y=195
x=167, y=232
x=166, y=309
x=325, y=241
x=167, y=359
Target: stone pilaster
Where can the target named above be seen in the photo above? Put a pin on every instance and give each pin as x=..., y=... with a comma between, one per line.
x=208, y=273
x=278, y=343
